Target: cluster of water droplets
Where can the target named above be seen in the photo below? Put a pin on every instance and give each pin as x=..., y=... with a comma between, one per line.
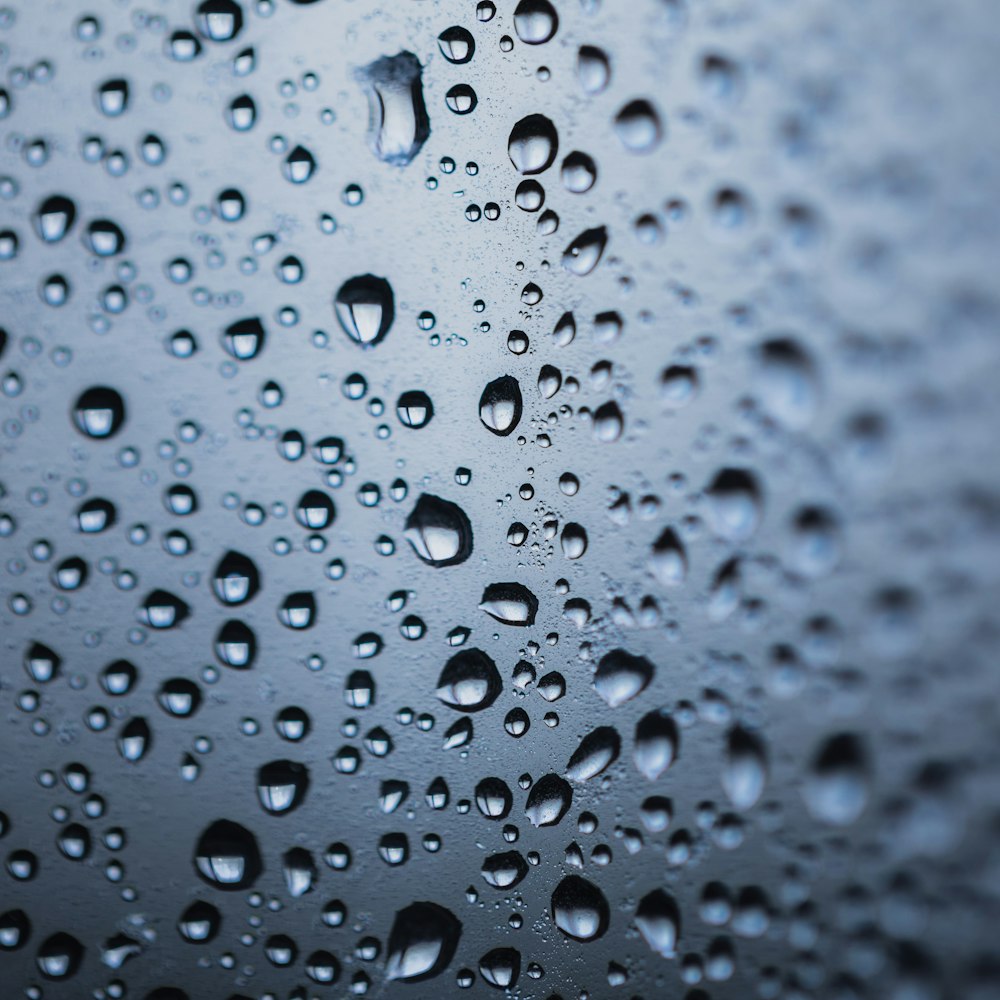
x=389, y=599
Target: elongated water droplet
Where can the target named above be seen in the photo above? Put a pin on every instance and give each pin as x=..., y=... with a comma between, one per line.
x=397, y=116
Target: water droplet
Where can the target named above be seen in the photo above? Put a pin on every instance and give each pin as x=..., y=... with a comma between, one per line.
x=422, y=942
x=837, y=787
x=439, y=531
x=469, y=681
x=365, y=308
x=510, y=603
x=638, y=127
x=500, y=405
x=398, y=124
x=580, y=909
x=620, y=676
x=597, y=751
x=533, y=144
x=227, y=856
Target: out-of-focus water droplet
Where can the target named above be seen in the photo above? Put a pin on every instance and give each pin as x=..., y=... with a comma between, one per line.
x=656, y=744
x=837, y=786
x=535, y=21
x=658, y=919
x=593, y=69
x=744, y=775
x=734, y=504
x=639, y=127
x=787, y=384
x=621, y=675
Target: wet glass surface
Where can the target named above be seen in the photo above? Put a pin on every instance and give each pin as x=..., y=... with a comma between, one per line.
x=499, y=497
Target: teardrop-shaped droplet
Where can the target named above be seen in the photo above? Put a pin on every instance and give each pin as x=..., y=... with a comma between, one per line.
x=659, y=922
x=549, y=799
x=585, y=252
x=597, y=751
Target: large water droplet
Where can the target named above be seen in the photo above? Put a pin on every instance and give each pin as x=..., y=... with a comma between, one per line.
x=596, y=752
x=422, y=942
x=500, y=405
x=99, y=412
x=510, y=603
x=620, y=676
x=533, y=144
x=227, y=856
x=580, y=909
x=585, y=252
x=365, y=309
x=549, y=799
x=535, y=21
x=397, y=116
x=439, y=531
x=837, y=786
x=659, y=922
x=469, y=681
